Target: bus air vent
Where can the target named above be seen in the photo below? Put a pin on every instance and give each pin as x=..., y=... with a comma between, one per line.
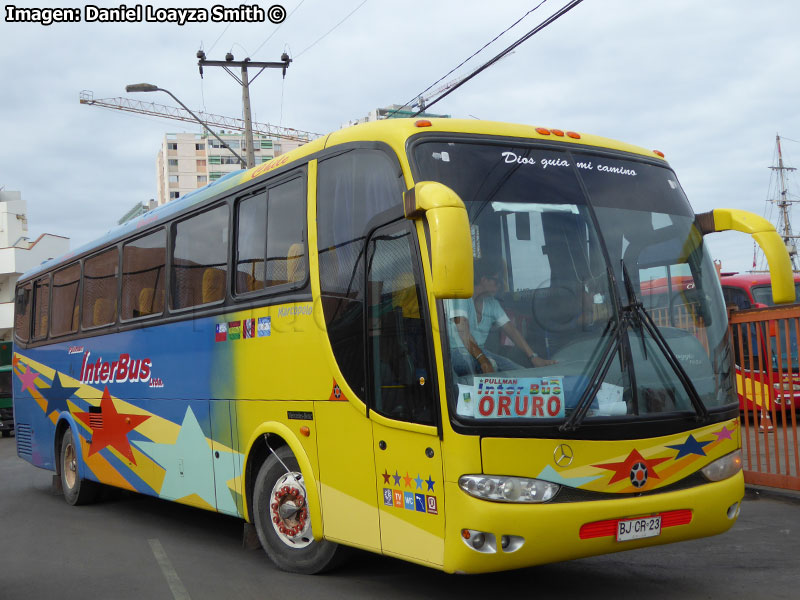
x=24, y=440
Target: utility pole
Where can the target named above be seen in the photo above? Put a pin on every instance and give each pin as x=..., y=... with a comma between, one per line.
x=245, y=82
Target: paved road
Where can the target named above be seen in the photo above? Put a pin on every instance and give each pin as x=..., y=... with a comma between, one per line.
x=130, y=546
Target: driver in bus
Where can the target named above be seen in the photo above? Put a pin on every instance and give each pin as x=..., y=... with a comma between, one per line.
x=471, y=320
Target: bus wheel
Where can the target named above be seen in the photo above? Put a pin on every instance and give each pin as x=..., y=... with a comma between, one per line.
x=76, y=490
x=282, y=520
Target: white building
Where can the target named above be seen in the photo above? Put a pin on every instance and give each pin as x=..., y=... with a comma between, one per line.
x=19, y=254
x=187, y=161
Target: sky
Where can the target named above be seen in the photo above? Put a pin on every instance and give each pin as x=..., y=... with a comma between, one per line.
x=709, y=83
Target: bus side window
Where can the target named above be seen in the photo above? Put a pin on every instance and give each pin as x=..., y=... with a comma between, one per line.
x=401, y=386
x=100, y=288
x=200, y=259
x=65, y=300
x=286, y=232
x=22, y=312
x=351, y=189
x=41, y=307
x=143, y=266
x=271, y=235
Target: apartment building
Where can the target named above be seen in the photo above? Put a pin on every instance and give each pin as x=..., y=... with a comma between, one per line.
x=187, y=161
x=19, y=254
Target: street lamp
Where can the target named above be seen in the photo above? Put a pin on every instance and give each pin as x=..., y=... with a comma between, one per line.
x=149, y=87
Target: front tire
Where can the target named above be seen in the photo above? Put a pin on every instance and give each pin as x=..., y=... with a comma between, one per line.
x=282, y=520
x=76, y=490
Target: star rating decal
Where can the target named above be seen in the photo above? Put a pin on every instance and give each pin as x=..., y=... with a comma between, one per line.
x=430, y=483
x=57, y=395
x=622, y=470
x=110, y=428
x=690, y=446
x=408, y=481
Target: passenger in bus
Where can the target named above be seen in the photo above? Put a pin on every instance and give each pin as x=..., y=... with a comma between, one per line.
x=470, y=321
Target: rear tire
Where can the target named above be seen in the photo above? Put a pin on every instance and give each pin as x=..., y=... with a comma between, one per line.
x=76, y=490
x=283, y=524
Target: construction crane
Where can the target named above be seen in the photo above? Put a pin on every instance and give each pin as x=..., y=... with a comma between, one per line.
x=179, y=114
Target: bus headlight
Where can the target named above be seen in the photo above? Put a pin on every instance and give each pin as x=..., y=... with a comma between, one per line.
x=508, y=489
x=724, y=467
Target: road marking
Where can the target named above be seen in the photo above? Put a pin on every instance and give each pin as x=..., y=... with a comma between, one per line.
x=175, y=585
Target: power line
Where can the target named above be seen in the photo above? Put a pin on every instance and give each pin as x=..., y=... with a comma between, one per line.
x=555, y=16
x=269, y=37
x=474, y=54
x=331, y=30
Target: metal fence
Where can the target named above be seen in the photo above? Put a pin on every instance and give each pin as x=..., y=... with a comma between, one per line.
x=765, y=344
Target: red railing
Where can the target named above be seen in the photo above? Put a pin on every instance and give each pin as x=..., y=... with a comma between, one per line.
x=765, y=344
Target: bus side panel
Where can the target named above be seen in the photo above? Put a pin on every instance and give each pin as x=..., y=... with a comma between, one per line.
x=141, y=402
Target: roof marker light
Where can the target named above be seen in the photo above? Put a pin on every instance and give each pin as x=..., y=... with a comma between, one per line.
x=573, y=135
x=542, y=131
x=557, y=132
x=423, y=123
x=658, y=153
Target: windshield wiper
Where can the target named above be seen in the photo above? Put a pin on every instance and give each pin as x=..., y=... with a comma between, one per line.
x=598, y=375
x=634, y=313
x=645, y=321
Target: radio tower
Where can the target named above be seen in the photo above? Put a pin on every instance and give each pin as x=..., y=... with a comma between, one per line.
x=784, y=204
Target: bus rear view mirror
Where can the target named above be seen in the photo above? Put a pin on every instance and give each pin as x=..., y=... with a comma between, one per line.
x=450, y=238
x=763, y=232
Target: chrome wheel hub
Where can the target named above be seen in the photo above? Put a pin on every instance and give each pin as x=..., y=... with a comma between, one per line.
x=289, y=511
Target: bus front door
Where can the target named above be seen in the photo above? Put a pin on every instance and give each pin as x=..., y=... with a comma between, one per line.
x=406, y=444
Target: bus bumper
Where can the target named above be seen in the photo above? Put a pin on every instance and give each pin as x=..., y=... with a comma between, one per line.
x=544, y=533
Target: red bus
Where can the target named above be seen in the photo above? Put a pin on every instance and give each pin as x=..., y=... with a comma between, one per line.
x=753, y=290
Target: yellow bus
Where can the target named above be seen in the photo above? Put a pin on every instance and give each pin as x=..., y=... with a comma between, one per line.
x=421, y=338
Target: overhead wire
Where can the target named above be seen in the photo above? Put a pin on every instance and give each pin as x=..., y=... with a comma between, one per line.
x=350, y=14
x=269, y=37
x=473, y=55
x=551, y=19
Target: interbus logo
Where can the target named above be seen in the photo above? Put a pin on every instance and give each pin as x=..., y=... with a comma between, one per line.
x=122, y=370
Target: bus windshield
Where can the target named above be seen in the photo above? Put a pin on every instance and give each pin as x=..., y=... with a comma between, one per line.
x=552, y=324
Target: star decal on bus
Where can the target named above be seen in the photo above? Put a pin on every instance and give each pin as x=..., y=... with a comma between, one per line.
x=386, y=476
x=189, y=463
x=57, y=395
x=690, y=446
x=110, y=428
x=622, y=470
x=724, y=433
x=408, y=479
x=29, y=379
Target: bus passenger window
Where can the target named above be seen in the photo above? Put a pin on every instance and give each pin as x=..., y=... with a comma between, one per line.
x=286, y=227
x=22, y=312
x=200, y=259
x=400, y=374
x=65, y=300
x=143, y=266
x=100, y=289
x=41, y=306
x=251, y=244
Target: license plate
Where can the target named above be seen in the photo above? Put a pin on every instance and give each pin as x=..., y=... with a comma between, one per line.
x=636, y=529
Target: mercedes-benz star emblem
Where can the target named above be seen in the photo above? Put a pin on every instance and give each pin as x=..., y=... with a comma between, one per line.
x=563, y=455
